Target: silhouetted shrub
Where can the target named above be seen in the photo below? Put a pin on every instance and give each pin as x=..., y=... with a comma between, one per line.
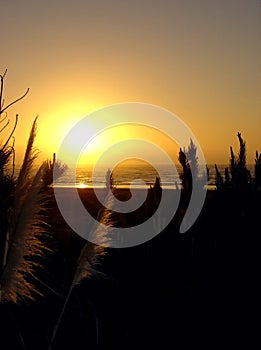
x=237, y=176
x=258, y=170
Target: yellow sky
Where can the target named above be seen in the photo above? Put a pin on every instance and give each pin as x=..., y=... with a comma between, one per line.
x=198, y=59
x=127, y=137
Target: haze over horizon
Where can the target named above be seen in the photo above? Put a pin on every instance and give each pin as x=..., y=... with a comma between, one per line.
x=198, y=59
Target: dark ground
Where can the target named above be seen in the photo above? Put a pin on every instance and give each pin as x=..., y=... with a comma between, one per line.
x=178, y=291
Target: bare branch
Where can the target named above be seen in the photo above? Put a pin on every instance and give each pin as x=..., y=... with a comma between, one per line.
x=1, y=93
x=10, y=104
x=5, y=126
x=3, y=102
x=2, y=89
x=1, y=120
x=3, y=76
x=16, y=121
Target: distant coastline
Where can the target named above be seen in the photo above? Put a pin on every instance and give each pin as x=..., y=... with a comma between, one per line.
x=124, y=175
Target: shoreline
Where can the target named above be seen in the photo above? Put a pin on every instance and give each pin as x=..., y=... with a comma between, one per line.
x=126, y=187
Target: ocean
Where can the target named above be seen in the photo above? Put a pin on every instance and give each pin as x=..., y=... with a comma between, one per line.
x=124, y=175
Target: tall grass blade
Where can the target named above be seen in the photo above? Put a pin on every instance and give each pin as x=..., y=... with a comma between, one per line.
x=24, y=179
x=25, y=246
x=87, y=262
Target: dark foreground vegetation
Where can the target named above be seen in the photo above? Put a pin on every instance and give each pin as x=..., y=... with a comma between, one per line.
x=178, y=291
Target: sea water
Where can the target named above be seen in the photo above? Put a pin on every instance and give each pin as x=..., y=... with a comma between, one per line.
x=139, y=175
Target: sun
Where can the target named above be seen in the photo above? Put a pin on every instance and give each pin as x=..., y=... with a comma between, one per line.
x=56, y=123
x=101, y=143
x=98, y=142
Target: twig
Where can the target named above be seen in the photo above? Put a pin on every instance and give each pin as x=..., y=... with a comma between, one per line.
x=5, y=125
x=1, y=90
x=1, y=120
x=10, y=104
x=16, y=121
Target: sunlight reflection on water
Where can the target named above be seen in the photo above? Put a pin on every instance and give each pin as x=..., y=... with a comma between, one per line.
x=125, y=175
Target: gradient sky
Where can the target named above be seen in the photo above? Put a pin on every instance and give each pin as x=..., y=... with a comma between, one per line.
x=200, y=59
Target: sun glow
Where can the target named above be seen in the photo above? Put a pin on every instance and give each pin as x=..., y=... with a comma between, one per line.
x=98, y=144
x=57, y=124
x=102, y=142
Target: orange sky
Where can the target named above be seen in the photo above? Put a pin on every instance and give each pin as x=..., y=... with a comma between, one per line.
x=198, y=59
